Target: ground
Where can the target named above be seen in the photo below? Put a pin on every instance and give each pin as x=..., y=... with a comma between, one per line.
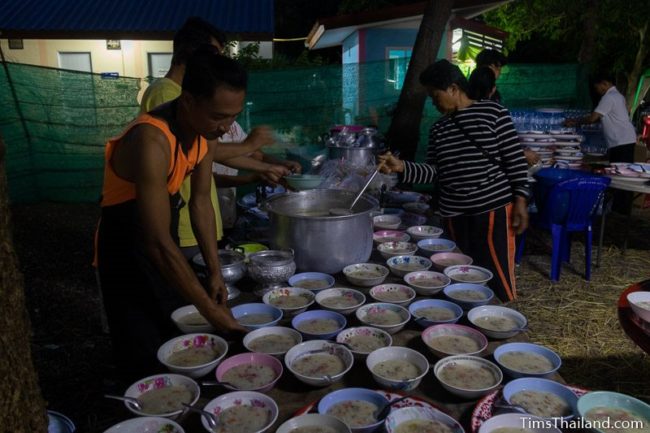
x=576, y=318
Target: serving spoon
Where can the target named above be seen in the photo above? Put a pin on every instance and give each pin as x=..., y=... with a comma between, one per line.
x=212, y=420
x=380, y=414
x=132, y=400
x=217, y=383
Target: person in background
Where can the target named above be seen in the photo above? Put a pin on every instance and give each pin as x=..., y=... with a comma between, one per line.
x=495, y=60
x=475, y=154
x=143, y=274
x=195, y=33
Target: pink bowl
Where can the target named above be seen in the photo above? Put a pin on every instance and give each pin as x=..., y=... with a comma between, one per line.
x=382, y=236
x=251, y=358
x=458, y=259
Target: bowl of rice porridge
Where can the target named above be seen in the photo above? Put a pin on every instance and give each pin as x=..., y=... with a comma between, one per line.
x=189, y=320
x=387, y=317
x=429, y=312
x=391, y=249
x=496, y=321
x=427, y=283
x=272, y=340
x=541, y=397
x=146, y=424
x=603, y=405
x=249, y=372
x=640, y=304
x=398, y=294
x=466, y=376
x=468, y=295
x=432, y=246
x=163, y=395
x=402, y=265
x=516, y=423
x=319, y=324
x=314, y=281
x=442, y=261
x=355, y=407
x=291, y=300
x=242, y=412
x=256, y=315
x=451, y=339
x=341, y=300
x=365, y=274
x=527, y=359
x=468, y=274
x=319, y=362
x=193, y=355
x=416, y=419
x=397, y=368
x=364, y=339
x=313, y=423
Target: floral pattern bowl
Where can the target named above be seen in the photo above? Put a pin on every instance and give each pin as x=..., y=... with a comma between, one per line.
x=160, y=381
x=365, y=274
x=291, y=300
x=387, y=317
x=146, y=424
x=402, y=416
x=260, y=405
x=207, y=342
x=398, y=294
x=341, y=300
x=364, y=339
x=402, y=265
x=392, y=249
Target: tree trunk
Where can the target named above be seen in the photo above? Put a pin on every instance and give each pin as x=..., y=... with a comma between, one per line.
x=22, y=408
x=637, y=68
x=404, y=130
x=586, y=53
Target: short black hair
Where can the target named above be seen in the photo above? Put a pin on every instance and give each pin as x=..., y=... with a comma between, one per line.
x=207, y=70
x=489, y=57
x=602, y=75
x=442, y=74
x=481, y=82
x=194, y=33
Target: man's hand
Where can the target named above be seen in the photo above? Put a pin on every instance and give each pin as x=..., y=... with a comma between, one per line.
x=389, y=163
x=293, y=166
x=274, y=174
x=260, y=136
x=217, y=289
x=220, y=316
x=520, y=215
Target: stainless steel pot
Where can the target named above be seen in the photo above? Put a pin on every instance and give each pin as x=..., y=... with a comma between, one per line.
x=321, y=242
x=271, y=268
x=233, y=269
x=359, y=156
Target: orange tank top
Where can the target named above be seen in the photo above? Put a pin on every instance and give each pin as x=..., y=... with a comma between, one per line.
x=117, y=190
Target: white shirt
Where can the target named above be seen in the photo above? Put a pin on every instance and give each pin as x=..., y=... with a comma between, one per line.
x=228, y=196
x=617, y=127
x=235, y=135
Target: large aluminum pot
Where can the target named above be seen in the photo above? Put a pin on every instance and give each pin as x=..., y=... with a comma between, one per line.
x=358, y=156
x=322, y=242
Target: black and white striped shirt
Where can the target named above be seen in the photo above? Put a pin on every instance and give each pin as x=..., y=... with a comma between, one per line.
x=470, y=183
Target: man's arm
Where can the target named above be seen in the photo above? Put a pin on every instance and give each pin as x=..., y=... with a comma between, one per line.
x=150, y=173
x=227, y=181
x=269, y=172
x=259, y=137
x=294, y=166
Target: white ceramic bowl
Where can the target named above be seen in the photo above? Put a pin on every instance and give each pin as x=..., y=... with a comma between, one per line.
x=468, y=361
x=635, y=300
x=146, y=424
x=271, y=330
x=398, y=294
x=402, y=265
x=392, y=249
x=468, y=274
x=531, y=423
x=395, y=353
x=243, y=398
x=386, y=222
x=365, y=274
x=159, y=381
x=275, y=299
x=475, y=314
x=180, y=315
x=452, y=329
x=313, y=420
x=353, y=299
x=427, y=283
x=424, y=232
x=380, y=309
x=455, y=312
x=308, y=346
x=537, y=384
x=382, y=338
x=530, y=348
x=217, y=344
x=403, y=415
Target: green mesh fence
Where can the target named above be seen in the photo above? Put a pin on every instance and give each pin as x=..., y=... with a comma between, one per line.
x=55, y=123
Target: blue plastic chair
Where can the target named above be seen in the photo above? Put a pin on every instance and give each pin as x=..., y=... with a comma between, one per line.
x=569, y=207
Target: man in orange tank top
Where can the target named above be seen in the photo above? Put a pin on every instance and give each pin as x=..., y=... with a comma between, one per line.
x=143, y=274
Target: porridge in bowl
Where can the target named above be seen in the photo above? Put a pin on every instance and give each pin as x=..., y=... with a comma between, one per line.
x=318, y=365
x=314, y=429
x=496, y=323
x=318, y=326
x=436, y=314
x=469, y=278
x=249, y=376
x=193, y=356
x=423, y=426
x=194, y=319
x=454, y=344
x=542, y=404
x=449, y=262
x=365, y=274
x=272, y=343
x=396, y=369
x=383, y=318
x=255, y=319
x=364, y=343
x=613, y=414
x=428, y=282
x=409, y=267
x=471, y=376
x=312, y=284
x=355, y=413
x=339, y=302
x=165, y=400
x=392, y=295
x=290, y=301
x=243, y=419
x=468, y=295
x=526, y=362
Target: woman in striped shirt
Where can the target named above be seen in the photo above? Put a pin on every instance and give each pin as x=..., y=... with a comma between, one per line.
x=475, y=154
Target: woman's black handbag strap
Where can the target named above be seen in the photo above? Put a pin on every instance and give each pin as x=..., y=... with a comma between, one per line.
x=485, y=153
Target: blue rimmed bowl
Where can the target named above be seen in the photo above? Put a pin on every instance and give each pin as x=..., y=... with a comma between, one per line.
x=429, y=247
x=312, y=318
x=468, y=295
x=536, y=384
x=513, y=349
x=402, y=265
x=330, y=400
x=248, y=314
x=314, y=281
x=452, y=312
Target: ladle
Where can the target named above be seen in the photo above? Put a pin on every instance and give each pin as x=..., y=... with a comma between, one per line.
x=382, y=413
x=211, y=419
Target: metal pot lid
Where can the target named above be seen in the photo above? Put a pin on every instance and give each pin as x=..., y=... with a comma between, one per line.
x=271, y=258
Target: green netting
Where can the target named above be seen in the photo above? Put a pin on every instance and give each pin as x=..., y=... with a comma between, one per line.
x=55, y=122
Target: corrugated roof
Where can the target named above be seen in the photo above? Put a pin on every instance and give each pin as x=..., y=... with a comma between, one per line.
x=146, y=19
